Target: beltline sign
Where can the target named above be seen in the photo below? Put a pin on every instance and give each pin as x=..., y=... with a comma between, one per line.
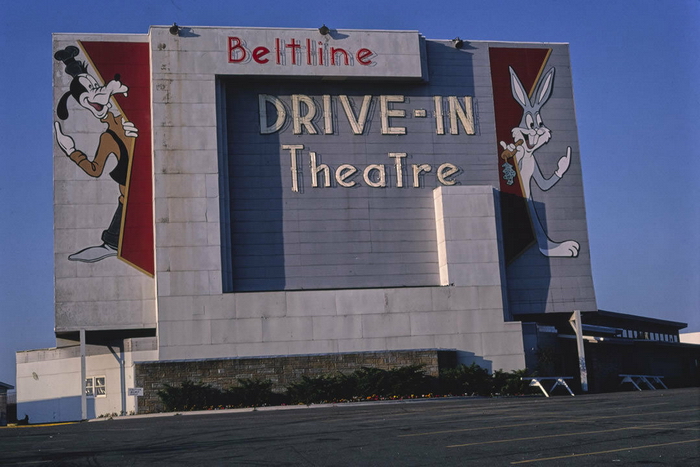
x=346, y=53
x=308, y=51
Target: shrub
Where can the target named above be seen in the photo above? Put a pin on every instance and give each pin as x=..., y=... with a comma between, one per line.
x=474, y=380
x=466, y=380
x=361, y=384
x=200, y=396
x=408, y=381
x=251, y=393
x=319, y=389
x=511, y=383
x=188, y=396
x=370, y=382
x=365, y=383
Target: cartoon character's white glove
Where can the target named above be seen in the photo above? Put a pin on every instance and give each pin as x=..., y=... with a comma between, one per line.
x=564, y=163
x=130, y=130
x=64, y=141
x=512, y=150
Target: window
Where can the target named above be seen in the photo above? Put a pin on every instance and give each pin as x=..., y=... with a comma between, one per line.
x=95, y=386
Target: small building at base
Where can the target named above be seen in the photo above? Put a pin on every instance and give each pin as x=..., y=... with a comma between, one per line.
x=264, y=202
x=3, y=402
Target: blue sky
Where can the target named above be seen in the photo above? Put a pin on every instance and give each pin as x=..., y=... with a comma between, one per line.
x=636, y=68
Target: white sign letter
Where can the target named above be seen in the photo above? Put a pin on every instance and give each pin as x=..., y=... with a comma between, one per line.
x=344, y=172
x=447, y=170
x=327, y=115
x=417, y=169
x=381, y=183
x=263, y=99
x=315, y=169
x=292, y=148
x=399, y=168
x=357, y=124
x=466, y=115
x=305, y=120
x=439, y=123
x=386, y=112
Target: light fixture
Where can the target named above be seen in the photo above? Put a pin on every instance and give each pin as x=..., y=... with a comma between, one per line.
x=324, y=30
x=458, y=43
x=175, y=29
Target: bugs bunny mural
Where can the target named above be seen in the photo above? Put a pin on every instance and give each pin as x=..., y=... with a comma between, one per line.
x=530, y=135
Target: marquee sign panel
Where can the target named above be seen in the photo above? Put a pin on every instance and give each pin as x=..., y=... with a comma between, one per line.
x=330, y=186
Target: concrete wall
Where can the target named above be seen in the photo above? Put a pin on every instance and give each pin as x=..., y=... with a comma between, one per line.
x=467, y=314
x=690, y=337
x=469, y=319
x=197, y=321
x=49, y=381
x=281, y=371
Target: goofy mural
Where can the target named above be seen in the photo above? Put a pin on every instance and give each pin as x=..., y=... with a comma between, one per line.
x=118, y=140
x=87, y=92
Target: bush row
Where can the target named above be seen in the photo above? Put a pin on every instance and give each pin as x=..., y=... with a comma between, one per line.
x=364, y=384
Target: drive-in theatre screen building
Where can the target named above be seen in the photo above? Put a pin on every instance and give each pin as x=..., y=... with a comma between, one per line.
x=237, y=198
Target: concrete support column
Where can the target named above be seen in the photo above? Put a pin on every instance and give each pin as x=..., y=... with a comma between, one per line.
x=122, y=374
x=575, y=322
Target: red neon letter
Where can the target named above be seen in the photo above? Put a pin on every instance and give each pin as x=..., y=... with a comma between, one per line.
x=259, y=53
x=364, y=56
x=235, y=47
x=294, y=46
x=338, y=50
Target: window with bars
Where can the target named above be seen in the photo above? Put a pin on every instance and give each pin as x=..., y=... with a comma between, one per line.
x=95, y=386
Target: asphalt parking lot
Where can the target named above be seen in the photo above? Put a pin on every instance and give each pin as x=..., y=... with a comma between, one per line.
x=650, y=427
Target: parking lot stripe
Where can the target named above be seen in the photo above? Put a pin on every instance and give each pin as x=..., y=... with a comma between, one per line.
x=39, y=425
x=690, y=428
x=631, y=448
x=559, y=435
x=571, y=420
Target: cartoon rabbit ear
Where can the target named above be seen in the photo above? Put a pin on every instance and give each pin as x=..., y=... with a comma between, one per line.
x=519, y=92
x=544, y=89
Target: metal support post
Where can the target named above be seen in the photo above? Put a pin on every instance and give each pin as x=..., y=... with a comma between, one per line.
x=122, y=373
x=83, y=377
x=575, y=322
